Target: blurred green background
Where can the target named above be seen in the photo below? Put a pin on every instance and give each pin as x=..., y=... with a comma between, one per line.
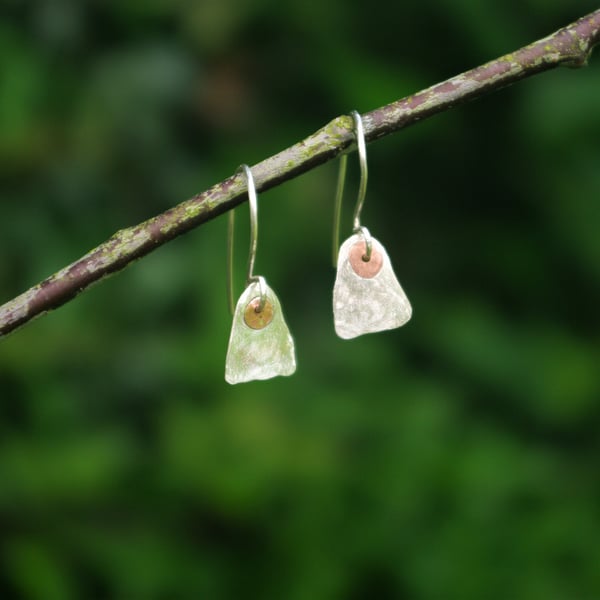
x=455, y=458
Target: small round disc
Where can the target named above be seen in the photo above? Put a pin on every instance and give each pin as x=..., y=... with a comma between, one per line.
x=258, y=320
x=363, y=268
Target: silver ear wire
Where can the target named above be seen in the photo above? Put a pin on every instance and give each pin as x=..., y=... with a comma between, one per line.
x=250, y=277
x=362, y=192
x=362, y=188
x=230, y=228
x=253, y=204
x=364, y=173
x=337, y=210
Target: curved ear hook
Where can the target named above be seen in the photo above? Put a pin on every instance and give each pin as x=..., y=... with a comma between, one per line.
x=253, y=204
x=362, y=192
x=250, y=277
x=364, y=173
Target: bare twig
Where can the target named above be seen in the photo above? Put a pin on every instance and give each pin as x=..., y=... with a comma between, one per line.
x=570, y=46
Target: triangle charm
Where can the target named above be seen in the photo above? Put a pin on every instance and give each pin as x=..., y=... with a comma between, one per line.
x=367, y=296
x=260, y=344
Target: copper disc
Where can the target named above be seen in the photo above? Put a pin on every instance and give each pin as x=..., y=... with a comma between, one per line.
x=365, y=269
x=258, y=320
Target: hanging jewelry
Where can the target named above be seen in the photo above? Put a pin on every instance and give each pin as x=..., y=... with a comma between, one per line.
x=367, y=296
x=260, y=344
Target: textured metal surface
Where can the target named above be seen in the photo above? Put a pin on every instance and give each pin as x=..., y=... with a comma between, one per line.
x=259, y=353
x=366, y=305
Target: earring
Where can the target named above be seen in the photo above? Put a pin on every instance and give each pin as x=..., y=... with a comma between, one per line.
x=367, y=296
x=260, y=344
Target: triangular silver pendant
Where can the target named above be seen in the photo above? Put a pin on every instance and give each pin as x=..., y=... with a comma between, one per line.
x=367, y=296
x=260, y=344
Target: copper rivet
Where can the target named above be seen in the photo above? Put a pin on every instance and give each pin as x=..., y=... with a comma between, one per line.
x=363, y=268
x=258, y=320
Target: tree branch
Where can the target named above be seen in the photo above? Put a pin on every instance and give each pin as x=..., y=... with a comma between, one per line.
x=570, y=46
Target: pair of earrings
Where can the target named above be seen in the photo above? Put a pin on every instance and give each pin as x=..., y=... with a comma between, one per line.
x=367, y=296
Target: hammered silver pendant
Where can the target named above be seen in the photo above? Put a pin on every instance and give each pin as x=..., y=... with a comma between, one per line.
x=260, y=344
x=367, y=296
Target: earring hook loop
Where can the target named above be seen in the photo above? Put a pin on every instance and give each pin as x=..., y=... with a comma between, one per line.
x=250, y=277
x=359, y=134
x=253, y=204
x=337, y=207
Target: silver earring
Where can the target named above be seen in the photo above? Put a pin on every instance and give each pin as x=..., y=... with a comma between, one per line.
x=367, y=296
x=260, y=344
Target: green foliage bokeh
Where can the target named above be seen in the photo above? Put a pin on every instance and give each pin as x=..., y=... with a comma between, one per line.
x=454, y=458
